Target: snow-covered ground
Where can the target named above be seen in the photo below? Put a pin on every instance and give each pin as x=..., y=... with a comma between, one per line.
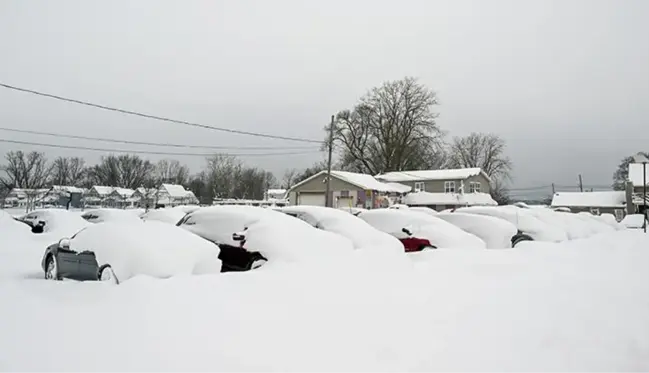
x=580, y=305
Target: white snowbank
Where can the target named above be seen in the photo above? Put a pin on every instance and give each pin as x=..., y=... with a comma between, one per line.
x=425, y=210
x=610, y=220
x=362, y=235
x=151, y=248
x=187, y=208
x=12, y=231
x=496, y=233
x=59, y=223
x=439, y=232
x=167, y=215
x=460, y=199
x=633, y=221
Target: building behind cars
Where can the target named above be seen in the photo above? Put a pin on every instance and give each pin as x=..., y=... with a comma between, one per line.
x=597, y=203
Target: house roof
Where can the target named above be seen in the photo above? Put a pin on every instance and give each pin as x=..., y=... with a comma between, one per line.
x=123, y=192
x=635, y=174
x=426, y=175
x=103, y=190
x=589, y=199
x=362, y=181
x=465, y=199
x=68, y=189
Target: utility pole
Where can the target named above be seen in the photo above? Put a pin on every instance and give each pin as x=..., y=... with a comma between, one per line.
x=330, y=145
x=553, y=191
x=581, y=184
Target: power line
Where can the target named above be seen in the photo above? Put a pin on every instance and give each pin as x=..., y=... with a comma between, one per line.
x=129, y=112
x=151, y=152
x=153, y=143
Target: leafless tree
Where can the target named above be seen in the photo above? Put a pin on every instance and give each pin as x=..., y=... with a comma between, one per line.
x=391, y=128
x=483, y=150
x=126, y=171
x=221, y=175
x=68, y=171
x=622, y=173
x=28, y=171
x=499, y=192
x=172, y=172
x=289, y=178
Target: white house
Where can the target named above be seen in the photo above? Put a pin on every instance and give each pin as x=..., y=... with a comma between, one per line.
x=173, y=195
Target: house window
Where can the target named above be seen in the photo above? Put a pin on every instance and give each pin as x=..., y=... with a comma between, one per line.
x=344, y=193
x=420, y=186
x=594, y=211
x=449, y=187
x=474, y=187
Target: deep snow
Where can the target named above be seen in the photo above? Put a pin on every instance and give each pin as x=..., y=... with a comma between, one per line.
x=580, y=305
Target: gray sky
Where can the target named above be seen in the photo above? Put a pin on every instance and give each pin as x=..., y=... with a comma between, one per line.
x=566, y=83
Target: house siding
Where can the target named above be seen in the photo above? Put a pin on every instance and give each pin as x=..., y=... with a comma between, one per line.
x=318, y=185
x=437, y=186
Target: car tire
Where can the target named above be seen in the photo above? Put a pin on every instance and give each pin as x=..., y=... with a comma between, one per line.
x=520, y=238
x=105, y=273
x=52, y=269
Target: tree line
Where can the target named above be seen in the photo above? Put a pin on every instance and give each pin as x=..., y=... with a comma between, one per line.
x=392, y=127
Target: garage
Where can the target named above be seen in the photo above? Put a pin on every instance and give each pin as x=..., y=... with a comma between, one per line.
x=311, y=199
x=344, y=202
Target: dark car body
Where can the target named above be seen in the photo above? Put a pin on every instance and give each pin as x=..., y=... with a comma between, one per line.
x=70, y=264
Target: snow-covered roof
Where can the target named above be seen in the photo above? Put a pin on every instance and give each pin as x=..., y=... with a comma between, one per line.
x=589, y=199
x=175, y=190
x=103, y=190
x=635, y=174
x=401, y=188
x=64, y=188
x=425, y=175
x=363, y=181
x=459, y=199
x=276, y=191
x=123, y=192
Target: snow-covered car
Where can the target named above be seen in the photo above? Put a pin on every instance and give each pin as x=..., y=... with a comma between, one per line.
x=117, y=251
x=186, y=209
x=406, y=224
x=362, y=235
x=247, y=234
x=54, y=220
x=496, y=233
x=167, y=215
x=111, y=215
x=523, y=219
x=352, y=210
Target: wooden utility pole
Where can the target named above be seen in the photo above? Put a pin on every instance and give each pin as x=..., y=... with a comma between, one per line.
x=553, y=191
x=328, y=202
x=581, y=184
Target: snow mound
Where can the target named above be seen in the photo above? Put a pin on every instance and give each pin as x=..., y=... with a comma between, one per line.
x=58, y=222
x=12, y=231
x=439, y=232
x=524, y=221
x=362, y=235
x=425, y=210
x=167, y=215
x=112, y=215
x=633, y=221
x=496, y=233
x=610, y=220
x=151, y=248
x=187, y=208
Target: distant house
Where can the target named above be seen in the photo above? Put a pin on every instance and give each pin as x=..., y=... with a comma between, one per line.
x=275, y=194
x=463, y=180
x=348, y=189
x=65, y=196
x=120, y=198
x=443, y=201
x=97, y=194
x=25, y=198
x=144, y=197
x=174, y=195
x=597, y=203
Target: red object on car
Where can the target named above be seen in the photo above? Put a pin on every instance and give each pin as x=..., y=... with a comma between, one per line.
x=415, y=244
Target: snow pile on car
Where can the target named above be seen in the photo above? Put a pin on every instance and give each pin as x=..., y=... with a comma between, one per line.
x=362, y=235
x=439, y=232
x=150, y=248
x=61, y=223
x=11, y=231
x=166, y=215
x=496, y=233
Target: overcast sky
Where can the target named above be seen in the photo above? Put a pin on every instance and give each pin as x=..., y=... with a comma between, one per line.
x=566, y=83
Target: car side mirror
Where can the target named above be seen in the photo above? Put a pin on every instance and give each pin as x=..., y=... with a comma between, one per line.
x=64, y=243
x=238, y=237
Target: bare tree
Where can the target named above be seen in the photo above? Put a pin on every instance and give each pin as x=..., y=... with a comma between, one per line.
x=483, y=150
x=172, y=172
x=126, y=171
x=68, y=171
x=310, y=171
x=392, y=128
x=26, y=171
x=221, y=175
x=289, y=178
x=500, y=193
